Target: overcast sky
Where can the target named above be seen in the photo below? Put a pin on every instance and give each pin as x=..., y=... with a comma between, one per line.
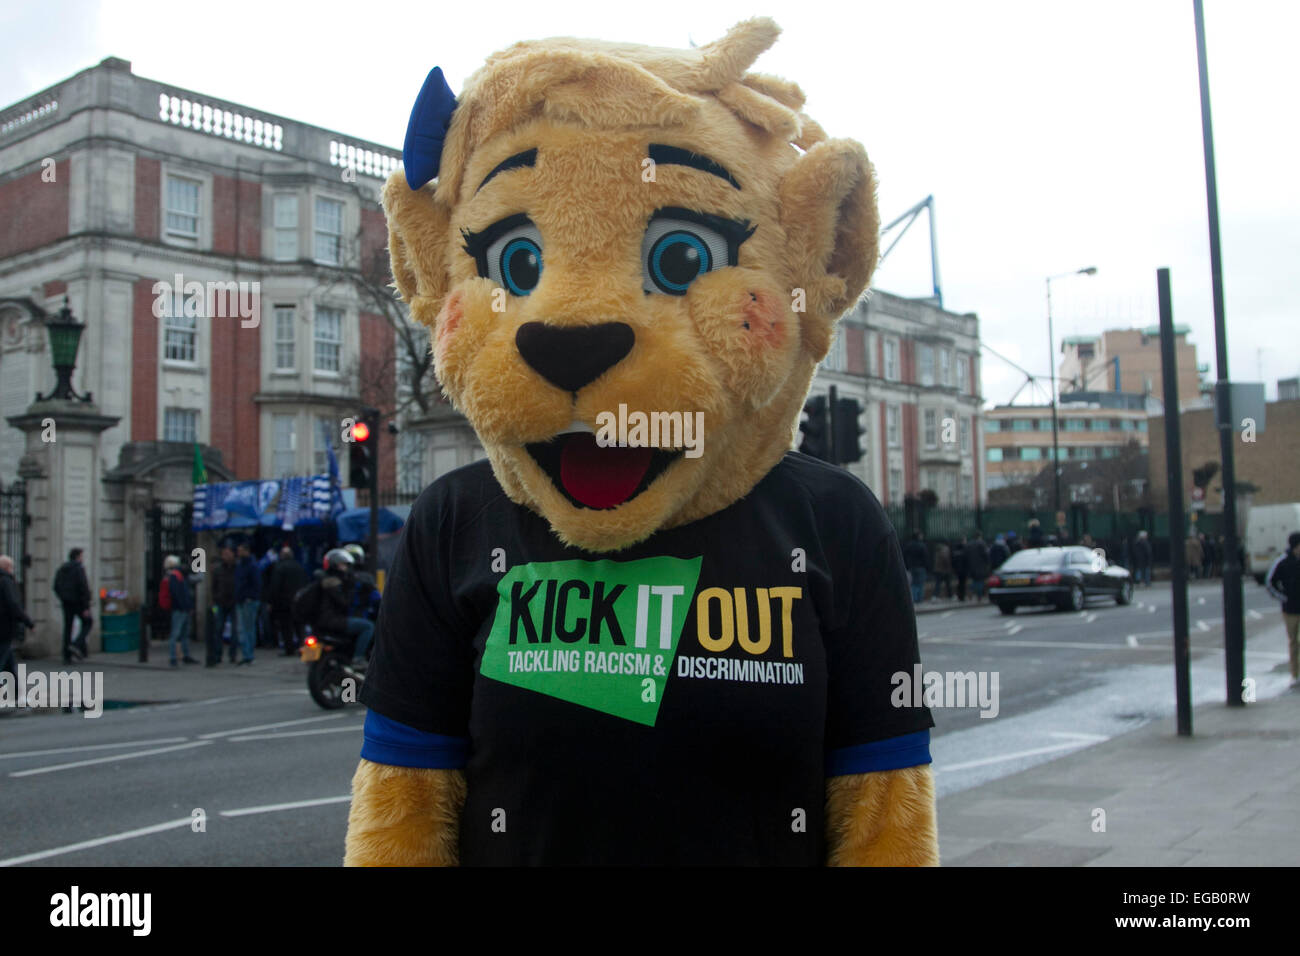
x=1053, y=135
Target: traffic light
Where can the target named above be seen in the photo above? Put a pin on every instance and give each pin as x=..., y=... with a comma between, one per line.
x=816, y=429
x=362, y=459
x=847, y=431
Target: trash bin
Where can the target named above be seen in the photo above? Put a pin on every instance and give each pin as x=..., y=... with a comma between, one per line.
x=121, y=632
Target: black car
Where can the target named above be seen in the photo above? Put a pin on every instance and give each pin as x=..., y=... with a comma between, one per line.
x=1065, y=577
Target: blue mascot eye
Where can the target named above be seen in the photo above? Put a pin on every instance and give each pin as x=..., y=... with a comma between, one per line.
x=677, y=251
x=509, y=252
x=521, y=266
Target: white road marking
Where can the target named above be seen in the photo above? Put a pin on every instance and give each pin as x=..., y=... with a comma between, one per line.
x=1009, y=625
x=1016, y=629
x=69, y=750
x=1075, y=645
x=945, y=614
x=1132, y=640
x=1200, y=600
x=1202, y=625
x=300, y=733
x=98, y=841
x=1074, y=735
x=110, y=759
x=1090, y=618
x=969, y=764
x=1152, y=609
x=275, y=807
x=1255, y=615
x=283, y=723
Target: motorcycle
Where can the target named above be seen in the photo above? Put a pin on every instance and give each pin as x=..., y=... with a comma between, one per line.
x=332, y=679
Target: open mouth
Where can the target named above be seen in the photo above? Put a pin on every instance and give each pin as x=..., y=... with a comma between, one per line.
x=591, y=476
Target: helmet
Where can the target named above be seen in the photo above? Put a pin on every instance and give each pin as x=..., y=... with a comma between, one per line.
x=338, y=560
x=358, y=553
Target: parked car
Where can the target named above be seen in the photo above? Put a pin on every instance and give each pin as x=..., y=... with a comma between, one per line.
x=1064, y=577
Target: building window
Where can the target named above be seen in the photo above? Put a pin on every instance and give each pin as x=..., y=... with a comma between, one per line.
x=410, y=460
x=992, y=425
x=891, y=360
x=1126, y=424
x=965, y=435
x=329, y=231
x=1030, y=454
x=1141, y=426
x=925, y=364
x=325, y=433
x=949, y=422
x=931, y=436
x=283, y=445
x=1074, y=425
x=892, y=426
x=896, y=485
x=945, y=367
x=285, y=332
x=1085, y=451
x=837, y=358
x=286, y=227
x=328, y=339
x=1022, y=424
x=961, y=373
x=1109, y=451
x=183, y=209
x=180, y=424
x=180, y=333
x=994, y=454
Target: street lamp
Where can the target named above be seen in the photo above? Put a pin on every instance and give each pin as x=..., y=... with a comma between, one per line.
x=1051, y=352
x=65, y=339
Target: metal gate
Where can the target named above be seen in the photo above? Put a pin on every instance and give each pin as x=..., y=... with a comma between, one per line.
x=14, y=520
x=168, y=530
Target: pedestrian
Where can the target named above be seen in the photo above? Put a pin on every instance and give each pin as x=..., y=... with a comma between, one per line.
x=73, y=590
x=248, y=593
x=287, y=577
x=13, y=619
x=180, y=599
x=959, y=569
x=916, y=558
x=1192, y=553
x=265, y=567
x=1207, y=555
x=942, y=570
x=999, y=551
x=1220, y=554
x=223, y=603
x=1142, y=559
x=1283, y=583
x=978, y=563
x=1035, y=534
x=1087, y=542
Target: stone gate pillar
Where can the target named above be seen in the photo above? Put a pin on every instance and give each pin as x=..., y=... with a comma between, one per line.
x=62, y=468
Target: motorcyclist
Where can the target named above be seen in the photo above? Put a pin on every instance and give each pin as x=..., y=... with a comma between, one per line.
x=337, y=587
x=365, y=596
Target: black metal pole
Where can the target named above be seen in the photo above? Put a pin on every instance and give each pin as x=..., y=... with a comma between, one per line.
x=830, y=427
x=1056, y=452
x=1234, y=640
x=1177, y=514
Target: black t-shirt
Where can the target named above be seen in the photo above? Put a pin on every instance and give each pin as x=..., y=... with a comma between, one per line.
x=681, y=701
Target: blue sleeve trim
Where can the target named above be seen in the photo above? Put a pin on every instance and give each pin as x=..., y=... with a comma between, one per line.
x=894, y=753
x=396, y=744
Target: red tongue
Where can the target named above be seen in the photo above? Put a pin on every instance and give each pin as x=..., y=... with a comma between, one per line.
x=601, y=477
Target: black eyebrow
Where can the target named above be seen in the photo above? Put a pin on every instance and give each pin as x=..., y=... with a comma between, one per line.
x=676, y=156
x=519, y=160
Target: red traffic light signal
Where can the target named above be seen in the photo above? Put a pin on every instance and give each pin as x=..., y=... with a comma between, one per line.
x=360, y=431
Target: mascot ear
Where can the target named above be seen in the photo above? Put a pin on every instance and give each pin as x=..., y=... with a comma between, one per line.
x=418, y=226
x=828, y=209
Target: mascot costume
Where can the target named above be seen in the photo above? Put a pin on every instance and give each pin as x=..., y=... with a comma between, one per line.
x=644, y=631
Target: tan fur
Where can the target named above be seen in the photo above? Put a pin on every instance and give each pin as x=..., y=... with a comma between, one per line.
x=885, y=818
x=404, y=816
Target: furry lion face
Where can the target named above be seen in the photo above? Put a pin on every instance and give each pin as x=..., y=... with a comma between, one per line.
x=630, y=313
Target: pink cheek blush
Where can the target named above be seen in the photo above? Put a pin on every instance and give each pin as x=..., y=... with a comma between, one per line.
x=762, y=313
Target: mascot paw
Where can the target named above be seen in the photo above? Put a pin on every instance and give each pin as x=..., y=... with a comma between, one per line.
x=404, y=816
x=885, y=818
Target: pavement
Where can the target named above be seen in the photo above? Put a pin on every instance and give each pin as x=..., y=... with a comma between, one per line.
x=1226, y=796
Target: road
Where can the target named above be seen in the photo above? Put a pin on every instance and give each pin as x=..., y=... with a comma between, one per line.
x=266, y=773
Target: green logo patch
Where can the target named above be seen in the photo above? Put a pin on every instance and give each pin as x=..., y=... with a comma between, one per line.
x=602, y=634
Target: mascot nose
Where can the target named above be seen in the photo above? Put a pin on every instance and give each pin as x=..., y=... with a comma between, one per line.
x=572, y=356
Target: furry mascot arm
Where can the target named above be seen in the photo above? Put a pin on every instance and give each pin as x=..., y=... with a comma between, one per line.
x=404, y=816
x=885, y=818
